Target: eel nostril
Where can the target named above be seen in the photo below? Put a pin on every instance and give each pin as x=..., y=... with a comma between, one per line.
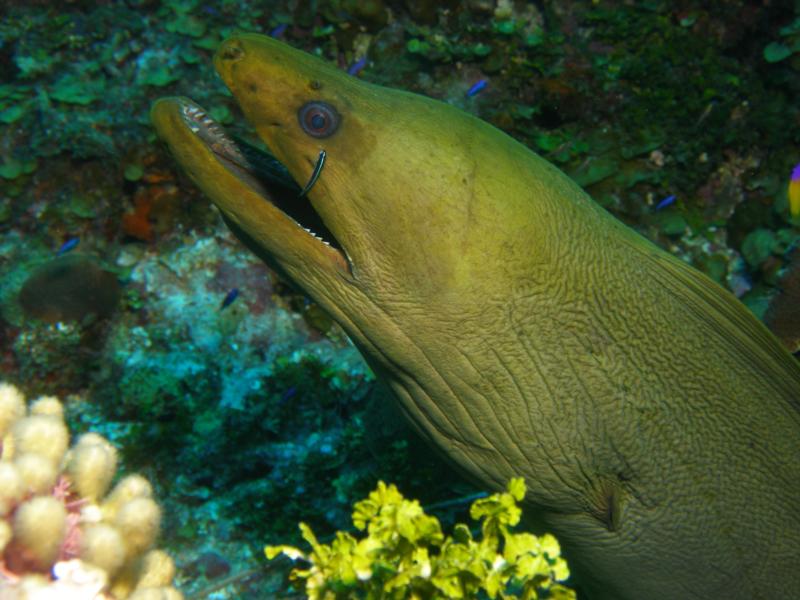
x=232, y=50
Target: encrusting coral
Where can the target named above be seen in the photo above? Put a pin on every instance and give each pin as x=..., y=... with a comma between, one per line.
x=62, y=536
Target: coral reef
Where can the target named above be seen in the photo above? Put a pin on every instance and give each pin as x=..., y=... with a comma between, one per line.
x=639, y=101
x=62, y=533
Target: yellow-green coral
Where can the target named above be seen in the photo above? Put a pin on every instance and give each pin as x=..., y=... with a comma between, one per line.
x=406, y=556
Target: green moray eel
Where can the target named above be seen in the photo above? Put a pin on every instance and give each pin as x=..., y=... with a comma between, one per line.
x=520, y=327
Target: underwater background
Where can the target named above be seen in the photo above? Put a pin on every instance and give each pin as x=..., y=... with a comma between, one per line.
x=124, y=294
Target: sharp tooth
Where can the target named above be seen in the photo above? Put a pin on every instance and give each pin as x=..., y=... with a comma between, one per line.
x=194, y=128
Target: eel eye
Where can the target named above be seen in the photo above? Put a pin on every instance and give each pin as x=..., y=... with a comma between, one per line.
x=318, y=119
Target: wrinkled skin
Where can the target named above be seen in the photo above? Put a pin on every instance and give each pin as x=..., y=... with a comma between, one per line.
x=524, y=331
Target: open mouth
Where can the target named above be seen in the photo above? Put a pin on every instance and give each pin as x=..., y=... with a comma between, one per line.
x=259, y=170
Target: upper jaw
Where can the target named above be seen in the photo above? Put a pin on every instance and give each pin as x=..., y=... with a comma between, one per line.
x=259, y=169
x=252, y=189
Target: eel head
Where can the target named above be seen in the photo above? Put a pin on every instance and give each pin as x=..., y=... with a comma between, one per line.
x=392, y=222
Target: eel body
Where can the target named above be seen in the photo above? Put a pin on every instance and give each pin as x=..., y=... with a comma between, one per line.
x=522, y=329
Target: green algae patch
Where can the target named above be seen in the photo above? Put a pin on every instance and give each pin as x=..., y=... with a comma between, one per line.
x=758, y=246
x=776, y=52
x=670, y=223
x=83, y=206
x=790, y=44
x=13, y=113
x=13, y=168
x=76, y=90
x=158, y=75
x=133, y=172
x=187, y=25
x=595, y=170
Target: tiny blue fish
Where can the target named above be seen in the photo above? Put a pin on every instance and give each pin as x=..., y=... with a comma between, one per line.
x=278, y=31
x=477, y=87
x=229, y=298
x=70, y=244
x=289, y=393
x=666, y=202
x=356, y=67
